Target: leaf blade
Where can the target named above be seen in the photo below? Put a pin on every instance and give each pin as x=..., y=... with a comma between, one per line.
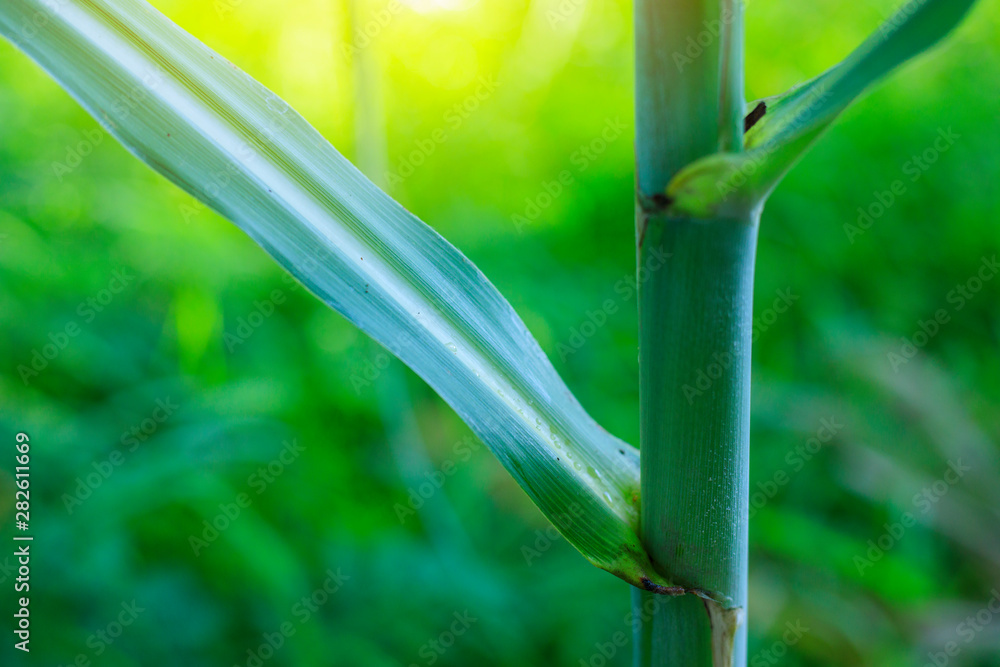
x=233, y=144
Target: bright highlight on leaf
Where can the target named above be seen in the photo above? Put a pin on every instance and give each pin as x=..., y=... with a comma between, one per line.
x=782, y=128
x=235, y=145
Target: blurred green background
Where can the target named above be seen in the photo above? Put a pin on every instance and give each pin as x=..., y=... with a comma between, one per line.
x=160, y=414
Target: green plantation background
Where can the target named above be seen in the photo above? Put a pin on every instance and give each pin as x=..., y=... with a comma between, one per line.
x=224, y=472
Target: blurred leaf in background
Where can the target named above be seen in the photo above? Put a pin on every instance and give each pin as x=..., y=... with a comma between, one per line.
x=228, y=473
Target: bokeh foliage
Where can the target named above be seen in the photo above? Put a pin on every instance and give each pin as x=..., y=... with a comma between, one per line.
x=371, y=431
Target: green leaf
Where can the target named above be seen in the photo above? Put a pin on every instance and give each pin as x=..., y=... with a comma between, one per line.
x=230, y=142
x=782, y=128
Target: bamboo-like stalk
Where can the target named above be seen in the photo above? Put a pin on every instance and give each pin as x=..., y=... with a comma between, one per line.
x=695, y=309
x=695, y=319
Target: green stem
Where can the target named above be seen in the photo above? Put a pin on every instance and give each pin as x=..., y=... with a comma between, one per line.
x=689, y=97
x=695, y=309
x=695, y=324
